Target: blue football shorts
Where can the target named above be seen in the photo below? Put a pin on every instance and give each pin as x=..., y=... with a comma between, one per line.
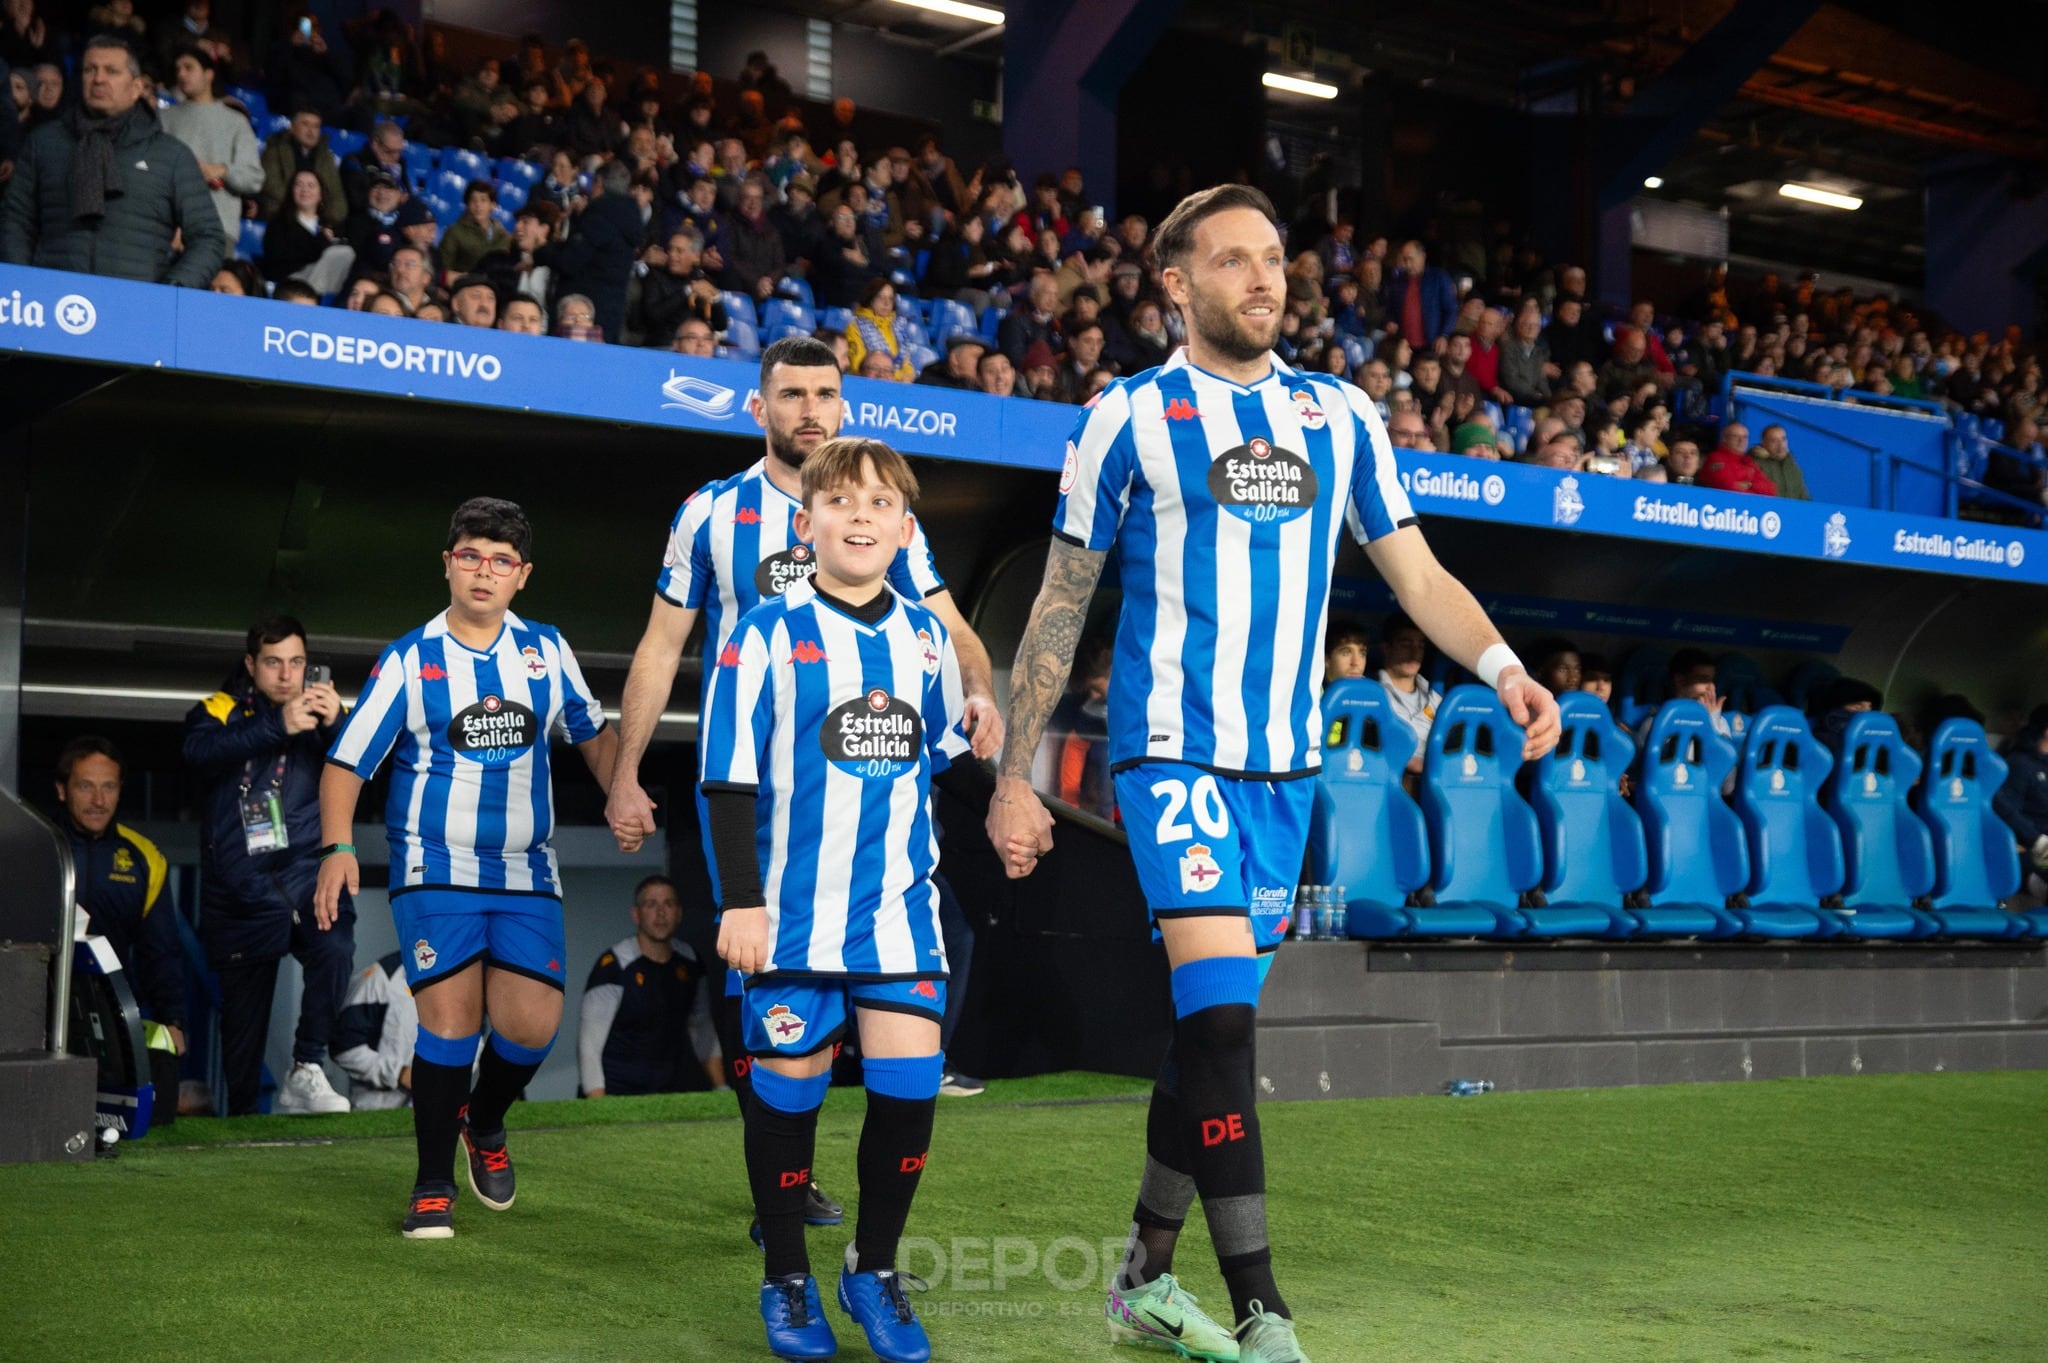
x=802, y=1014
x=440, y=931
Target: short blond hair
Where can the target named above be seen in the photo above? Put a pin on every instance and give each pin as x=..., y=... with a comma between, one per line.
x=837, y=463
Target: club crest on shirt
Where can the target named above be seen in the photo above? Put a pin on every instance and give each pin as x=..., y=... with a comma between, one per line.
x=536, y=666
x=124, y=860
x=423, y=955
x=1262, y=483
x=1070, y=472
x=785, y=1028
x=1199, y=872
x=1305, y=407
x=874, y=736
x=777, y=573
x=929, y=652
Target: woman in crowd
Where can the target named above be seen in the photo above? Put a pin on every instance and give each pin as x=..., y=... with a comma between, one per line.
x=873, y=331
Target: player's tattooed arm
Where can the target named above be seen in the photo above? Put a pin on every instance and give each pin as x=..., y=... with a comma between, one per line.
x=1046, y=654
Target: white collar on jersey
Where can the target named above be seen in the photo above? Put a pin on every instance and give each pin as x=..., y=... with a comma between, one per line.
x=1179, y=360
x=437, y=628
x=760, y=470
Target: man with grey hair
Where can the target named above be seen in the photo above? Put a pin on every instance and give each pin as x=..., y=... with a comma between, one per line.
x=103, y=189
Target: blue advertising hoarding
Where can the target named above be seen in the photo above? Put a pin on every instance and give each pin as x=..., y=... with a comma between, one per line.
x=118, y=322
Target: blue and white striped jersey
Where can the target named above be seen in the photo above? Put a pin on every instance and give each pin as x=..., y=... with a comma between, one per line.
x=471, y=806
x=1222, y=505
x=733, y=545
x=837, y=727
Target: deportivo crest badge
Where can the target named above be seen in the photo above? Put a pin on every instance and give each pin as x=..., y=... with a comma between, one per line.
x=1199, y=872
x=929, y=652
x=423, y=955
x=784, y=1027
x=1305, y=407
x=536, y=666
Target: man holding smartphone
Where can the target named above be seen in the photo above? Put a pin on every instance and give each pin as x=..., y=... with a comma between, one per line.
x=256, y=748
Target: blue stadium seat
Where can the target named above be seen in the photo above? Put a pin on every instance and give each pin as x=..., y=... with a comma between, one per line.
x=1887, y=852
x=1483, y=842
x=782, y=333
x=904, y=281
x=502, y=216
x=419, y=163
x=513, y=171
x=272, y=125
x=738, y=305
x=346, y=141
x=1521, y=421
x=1639, y=690
x=1697, y=857
x=785, y=312
x=991, y=320
x=1993, y=428
x=466, y=163
x=1355, y=351
x=511, y=196
x=741, y=336
x=1365, y=832
x=949, y=315
x=1795, y=851
x=447, y=184
x=792, y=286
x=253, y=101
x=919, y=356
x=1493, y=412
x=836, y=319
x=445, y=210
x=1975, y=867
x=1592, y=840
x=1805, y=684
x=910, y=330
x=249, y=244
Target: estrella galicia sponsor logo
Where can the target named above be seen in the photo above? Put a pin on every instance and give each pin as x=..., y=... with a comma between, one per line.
x=1834, y=536
x=1262, y=483
x=325, y=347
x=874, y=736
x=494, y=731
x=1450, y=487
x=1566, y=505
x=1728, y=520
x=73, y=313
x=779, y=572
x=1958, y=548
x=1770, y=524
x=687, y=392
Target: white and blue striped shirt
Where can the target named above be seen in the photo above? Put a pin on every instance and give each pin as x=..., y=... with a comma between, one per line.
x=467, y=732
x=1222, y=505
x=733, y=544
x=837, y=727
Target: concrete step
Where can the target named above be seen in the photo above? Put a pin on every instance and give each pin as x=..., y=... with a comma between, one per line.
x=24, y=997
x=46, y=1108
x=1364, y=1058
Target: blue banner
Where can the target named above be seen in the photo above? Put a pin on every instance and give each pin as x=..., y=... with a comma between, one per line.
x=109, y=321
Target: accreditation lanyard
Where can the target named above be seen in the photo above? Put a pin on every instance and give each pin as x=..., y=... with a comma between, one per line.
x=263, y=826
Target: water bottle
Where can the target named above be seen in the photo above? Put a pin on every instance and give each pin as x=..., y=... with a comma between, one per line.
x=1468, y=1088
x=1324, y=909
x=1340, y=914
x=1304, y=912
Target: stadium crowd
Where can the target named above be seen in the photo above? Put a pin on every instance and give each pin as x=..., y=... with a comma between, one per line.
x=550, y=193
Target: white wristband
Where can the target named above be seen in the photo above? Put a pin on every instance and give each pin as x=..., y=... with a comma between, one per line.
x=1493, y=662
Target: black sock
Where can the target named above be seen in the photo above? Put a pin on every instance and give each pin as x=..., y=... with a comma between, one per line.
x=438, y=1094
x=780, y=1147
x=894, y=1141
x=499, y=1082
x=739, y=1066
x=1220, y=1124
x=1165, y=1192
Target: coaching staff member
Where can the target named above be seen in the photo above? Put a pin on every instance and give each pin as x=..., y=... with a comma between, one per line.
x=257, y=747
x=103, y=189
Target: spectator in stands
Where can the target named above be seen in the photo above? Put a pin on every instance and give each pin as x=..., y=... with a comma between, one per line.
x=474, y=301
x=528, y=267
x=604, y=240
x=298, y=243
x=119, y=17
x=1641, y=449
x=646, y=1023
x=1422, y=300
x=875, y=365
x=1561, y=452
x=476, y=233
x=239, y=279
x=26, y=38
x=120, y=879
x=1682, y=465
x=79, y=199
x=193, y=27
x=673, y=286
x=2023, y=799
x=256, y=748
x=220, y=138
x=362, y=289
x=961, y=367
x=383, y=154
x=995, y=375
x=387, y=305
x=754, y=258
x=1145, y=342
x=1691, y=676
x=373, y=1039
x=1406, y=430
x=471, y=101
x=873, y=331
x=695, y=337
x=1346, y=646
x=1572, y=335
x=1478, y=440
x=526, y=317
x=1484, y=361
x=302, y=145
x=1730, y=468
x=15, y=102
x=576, y=319
x=1773, y=455
x=1457, y=376
x=589, y=129
x=1083, y=356
x=1073, y=757
x=412, y=276
x=1628, y=367
x=1402, y=649
x=1596, y=677
x=295, y=291
x=373, y=232
x=1038, y=375
x=948, y=190
x=307, y=72
x=47, y=81
x=1426, y=386
x=1088, y=269
x=1526, y=371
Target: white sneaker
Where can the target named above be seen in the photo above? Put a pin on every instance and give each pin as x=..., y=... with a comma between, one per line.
x=305, y=1092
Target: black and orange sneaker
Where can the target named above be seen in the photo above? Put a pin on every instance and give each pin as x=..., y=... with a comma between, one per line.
x=490, y=1167
x=430, y=1215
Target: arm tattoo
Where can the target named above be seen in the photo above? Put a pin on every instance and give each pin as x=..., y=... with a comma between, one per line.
x=1046, y=653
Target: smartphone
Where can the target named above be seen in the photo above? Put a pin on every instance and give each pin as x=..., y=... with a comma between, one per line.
x=319, y=674
x=306, y=28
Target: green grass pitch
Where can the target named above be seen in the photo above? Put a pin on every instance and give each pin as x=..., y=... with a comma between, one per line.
x=1880, y=1218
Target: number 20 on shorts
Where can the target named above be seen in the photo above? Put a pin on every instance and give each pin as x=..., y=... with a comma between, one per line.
x=1199, y=799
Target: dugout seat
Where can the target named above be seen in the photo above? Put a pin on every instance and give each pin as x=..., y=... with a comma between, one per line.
x=1806, y=683
x=1975, y=864
x=1483, y=842
x=1887, y=852
x=1795, y=850
x=1365, y=832
x=1639, y=690
x=1592, y=840
x=1696, y=855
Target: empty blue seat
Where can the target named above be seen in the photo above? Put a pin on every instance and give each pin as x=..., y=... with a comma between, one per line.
x=771, y=335
x=991, y=320
x=1805, y=684
x=252, y=101
x=787, y=312
x=1697, y=856
x=739, y=306
x=1639, y=690
x=419, y=163
x=511, y=196
x=502, y=216
x=1483, y=844
x=1887, y=852
x=445, y=210
x=741, y=336
x=466, y=163
x=447, y=184
x=272, y=125
x=1521, y=421
x=1975, y=867
x=249, y=244
x=346, y=141
x=910, y=330
x=513, y=171
x=949, y=315
x=1795, y=851
x=1592, y=840
x=836, y=319
x=792, y=286
x=919, y=355
x=1365, y=833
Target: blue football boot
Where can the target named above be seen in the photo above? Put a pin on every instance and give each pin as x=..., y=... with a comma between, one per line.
x=876, y=1300
x=795, y=1318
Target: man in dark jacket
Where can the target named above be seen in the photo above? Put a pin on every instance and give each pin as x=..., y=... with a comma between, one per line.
x=103, y=189
x=257, y=747
x=121, y=882
x=2024, y=796
x=10, y=133
x=677, y=291
x=604, y=241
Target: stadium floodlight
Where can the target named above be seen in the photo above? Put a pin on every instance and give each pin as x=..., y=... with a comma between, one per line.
x=1826, y=198
x=1295, y=85
x=1653, y=182
x=981, y=14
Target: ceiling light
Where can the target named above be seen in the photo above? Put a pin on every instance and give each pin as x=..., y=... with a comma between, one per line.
x=1653, y=182
x=1294, y=85
x=1827, y=198
x=980, y=14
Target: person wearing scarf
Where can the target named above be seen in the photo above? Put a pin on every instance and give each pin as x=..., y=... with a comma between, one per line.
x=874, y=330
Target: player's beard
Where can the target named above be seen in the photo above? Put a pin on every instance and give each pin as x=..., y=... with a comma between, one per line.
x=1227, y=332
x=785, y=447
